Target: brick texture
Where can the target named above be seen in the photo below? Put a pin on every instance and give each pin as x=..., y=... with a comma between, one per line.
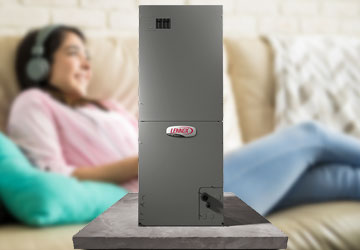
x=241, y=17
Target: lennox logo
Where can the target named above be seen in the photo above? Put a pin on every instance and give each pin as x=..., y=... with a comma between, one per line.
x=181, y=131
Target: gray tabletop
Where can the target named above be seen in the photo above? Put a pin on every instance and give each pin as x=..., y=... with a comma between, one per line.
x=117, y=228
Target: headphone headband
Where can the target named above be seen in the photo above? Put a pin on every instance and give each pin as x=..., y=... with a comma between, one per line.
x=43, y=34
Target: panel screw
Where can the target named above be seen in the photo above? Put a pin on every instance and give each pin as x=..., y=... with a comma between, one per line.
x=204, y=197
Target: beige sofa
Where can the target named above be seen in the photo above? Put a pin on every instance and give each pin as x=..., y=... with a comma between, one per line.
x=248, y=115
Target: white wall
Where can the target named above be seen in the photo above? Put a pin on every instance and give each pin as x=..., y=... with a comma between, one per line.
x=241, y=17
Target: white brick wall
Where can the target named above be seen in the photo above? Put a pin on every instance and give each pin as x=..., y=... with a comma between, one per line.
x=14, y=17
x=299, y=8
x=283, y=25
x=46, y=3
x=314, y=25
x=341, y=9
x=241, y=17
x=257, y=8
x=80, y=17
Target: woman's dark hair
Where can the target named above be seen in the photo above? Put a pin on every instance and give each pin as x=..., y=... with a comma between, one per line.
x=52, y=43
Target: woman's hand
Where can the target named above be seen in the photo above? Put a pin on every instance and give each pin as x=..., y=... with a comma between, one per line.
x=117, y=172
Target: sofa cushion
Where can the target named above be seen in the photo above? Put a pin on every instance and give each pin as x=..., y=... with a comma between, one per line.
x=41, y=198
x=250, y=69
x=330, y=225
x=20, y=237
x=317, y=78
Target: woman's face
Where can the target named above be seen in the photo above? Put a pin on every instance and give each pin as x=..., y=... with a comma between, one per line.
x=71, y=70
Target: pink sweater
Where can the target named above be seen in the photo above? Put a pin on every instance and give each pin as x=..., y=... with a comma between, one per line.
x=58, y=138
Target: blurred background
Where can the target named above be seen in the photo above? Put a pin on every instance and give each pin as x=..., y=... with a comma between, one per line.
x=316, y=40
x=250, y=18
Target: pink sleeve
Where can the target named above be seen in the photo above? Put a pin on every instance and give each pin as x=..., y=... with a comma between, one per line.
x=32, y=128
x=118, y=107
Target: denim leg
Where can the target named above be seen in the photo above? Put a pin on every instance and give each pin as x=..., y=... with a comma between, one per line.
x=325, y=182
x=339, y=147
x=262, y=172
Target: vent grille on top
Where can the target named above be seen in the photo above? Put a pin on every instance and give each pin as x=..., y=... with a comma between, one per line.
x=163, y=23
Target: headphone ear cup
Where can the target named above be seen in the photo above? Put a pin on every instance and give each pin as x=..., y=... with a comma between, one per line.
x=37, y=68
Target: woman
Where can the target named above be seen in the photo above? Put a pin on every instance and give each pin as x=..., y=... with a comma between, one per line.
x=62, y=131
x=57, y=127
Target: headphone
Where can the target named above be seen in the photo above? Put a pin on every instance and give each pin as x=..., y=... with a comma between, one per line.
x=38, y=67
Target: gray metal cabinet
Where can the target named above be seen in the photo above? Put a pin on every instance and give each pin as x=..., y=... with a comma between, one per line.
x=180, y=84
x=180, y=68
x=174, y=170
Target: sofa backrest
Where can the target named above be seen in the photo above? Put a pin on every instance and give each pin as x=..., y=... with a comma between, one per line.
x=250, y=67
x=8, y=88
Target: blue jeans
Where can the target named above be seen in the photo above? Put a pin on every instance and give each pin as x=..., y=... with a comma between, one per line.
x=300, y=164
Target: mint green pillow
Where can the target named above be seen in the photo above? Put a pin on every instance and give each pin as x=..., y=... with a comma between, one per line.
x=41, y=198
